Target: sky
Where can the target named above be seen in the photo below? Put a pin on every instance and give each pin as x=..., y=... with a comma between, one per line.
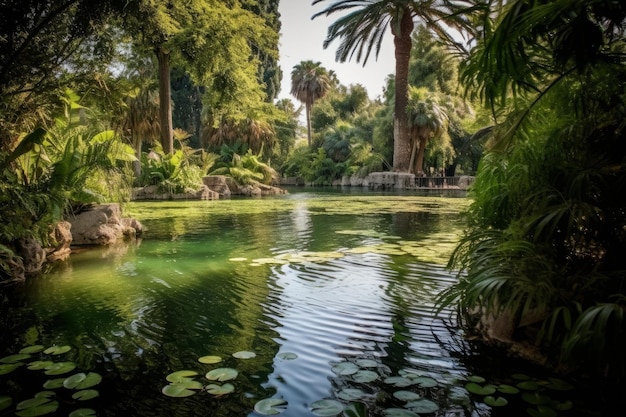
x=301, y=39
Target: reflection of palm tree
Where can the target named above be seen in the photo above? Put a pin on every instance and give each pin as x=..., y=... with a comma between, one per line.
x=309, y=82
x=364, y=28
x=427, y=119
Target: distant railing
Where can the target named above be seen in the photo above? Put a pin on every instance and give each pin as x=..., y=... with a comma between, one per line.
x=437, y=182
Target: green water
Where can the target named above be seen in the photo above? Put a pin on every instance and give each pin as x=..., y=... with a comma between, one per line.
x=308, y=282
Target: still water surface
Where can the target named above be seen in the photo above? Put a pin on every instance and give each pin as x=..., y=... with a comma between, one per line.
x=309, y=282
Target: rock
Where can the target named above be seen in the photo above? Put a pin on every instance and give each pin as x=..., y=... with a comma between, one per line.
x=256, y=189
x=101, y=225
x=218, y=184
x=391, y=180
x=151, y=193
x=32, y=254
x=60, y=242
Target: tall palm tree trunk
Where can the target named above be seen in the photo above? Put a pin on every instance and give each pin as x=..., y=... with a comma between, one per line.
x=308, y=123
x=165, y=101
x=401, y=138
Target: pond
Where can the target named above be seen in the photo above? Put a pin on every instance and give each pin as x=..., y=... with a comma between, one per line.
x=305, y=304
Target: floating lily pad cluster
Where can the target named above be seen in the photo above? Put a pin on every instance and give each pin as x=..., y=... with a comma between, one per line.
x=538, y=394
x=184, y=383
x=39, y=358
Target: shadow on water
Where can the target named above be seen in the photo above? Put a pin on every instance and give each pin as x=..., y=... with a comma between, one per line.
x=332, y=292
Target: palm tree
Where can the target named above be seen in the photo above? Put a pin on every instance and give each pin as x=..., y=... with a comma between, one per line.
x=363, y=29
x=309, y=83
x=427, y=120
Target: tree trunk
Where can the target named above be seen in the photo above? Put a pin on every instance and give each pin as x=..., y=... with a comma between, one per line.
x=419, y=163
x=401, y=140
x=307, y=107
x=165, y=101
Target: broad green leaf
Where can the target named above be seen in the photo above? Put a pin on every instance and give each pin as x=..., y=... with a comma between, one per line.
x=210, y=359
x=180, y=375
x=39, y=410
x=54, y=383
x=244, y=354
x=422, y=406
x=407, y=395
x=7, y=368
x=476, y=378
x=103, y=136
x=5, y=402
x=474, y=388
x=345, y=368
x=508, y=389
x=91, y=380
x=425, y=382
x=398, y=381
x=355, y=409
x=32, y=349
x=528, y=385
x=177, y=390
x=86, y=394
x=535, y=398
x=219, y=390
x=270, y=406
x=39, y=365
x=83, y=412
x=57, y=350
x=326, y=407
x=364, y=376
x=13, y=359
x=45, y=394
x=72, y=381
x=495, y=401
x=287, y=356
x=60, y=368
x=367, y=363
x=222, y=374
x=351, y=394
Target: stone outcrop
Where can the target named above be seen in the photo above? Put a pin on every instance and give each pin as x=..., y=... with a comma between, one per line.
x=391, y=180
x=152, y=192
x=227, y=186
x=102, y=225
x=60, y=239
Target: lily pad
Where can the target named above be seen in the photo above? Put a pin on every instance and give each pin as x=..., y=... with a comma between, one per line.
x=57, y=350
x=39, y=365
x=425, y=382
x=557, y=384
x=211, y=359
x=474, y=388
x=535, y=398
x=495, y=401
x=351, y=394
x=422, y=406
x=364, y=376
x=5, y=402
x=222, y=374
x=36, y=407
x=355, y=409
x=563, y=405
x=367, y=363
x=32, y=349
x=7, y=368
x=398, y=381
x=54, y=383
x=407, y=395
x=91, y=380
x=541, y=411
x=72, y=381
x=345, y=368
x=12, y=359
x=399, y=412
x=270, y=406
x=528, y=386
x=86, y=394
x=508, y=389
x=326, y=407
x=219, y=390
x=83, y=412
x=287, y=356
x=244, y=354
x=181, y=389
x=180, y=375
x=60, y=368
x=476, y=378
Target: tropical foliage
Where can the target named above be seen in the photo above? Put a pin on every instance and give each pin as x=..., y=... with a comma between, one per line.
x=546, y=232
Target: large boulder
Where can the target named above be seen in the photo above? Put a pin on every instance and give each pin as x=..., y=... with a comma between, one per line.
x=218, y=184
x=152, y=193
x=102, y=225
x=60, y=240
x=32, y=254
